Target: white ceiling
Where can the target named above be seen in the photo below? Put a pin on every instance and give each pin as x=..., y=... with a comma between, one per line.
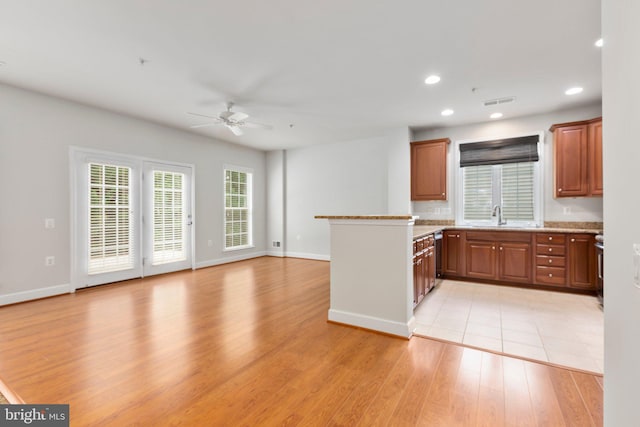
x=336, y=69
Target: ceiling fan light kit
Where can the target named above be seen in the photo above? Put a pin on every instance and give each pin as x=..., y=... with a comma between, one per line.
x=232, y=120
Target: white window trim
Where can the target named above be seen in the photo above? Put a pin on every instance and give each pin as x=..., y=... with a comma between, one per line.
x=247, y=170
x=538, y=191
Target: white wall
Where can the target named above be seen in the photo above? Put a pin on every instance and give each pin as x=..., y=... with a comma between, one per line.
x=621, y=107
x=36, y=132
x=580, y=209
x=351, y=178
x=276, y=201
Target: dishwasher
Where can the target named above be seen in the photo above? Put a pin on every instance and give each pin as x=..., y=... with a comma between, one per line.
x=438, y=243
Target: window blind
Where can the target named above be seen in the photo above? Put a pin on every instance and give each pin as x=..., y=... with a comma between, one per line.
x=501, y=151
x=518, y=191
x=110, y=221
x=477, y=193
x=169, y=220
x=237, y=209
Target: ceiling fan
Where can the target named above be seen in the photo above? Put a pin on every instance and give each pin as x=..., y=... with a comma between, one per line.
x=233, y=120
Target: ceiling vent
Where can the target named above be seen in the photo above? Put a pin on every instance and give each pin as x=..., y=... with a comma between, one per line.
x=499, y=101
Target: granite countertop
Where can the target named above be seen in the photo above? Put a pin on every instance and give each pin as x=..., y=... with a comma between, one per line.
x=422, y=230
x=374, y=217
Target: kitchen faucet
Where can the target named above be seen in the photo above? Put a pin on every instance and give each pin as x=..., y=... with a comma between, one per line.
x=497, y=211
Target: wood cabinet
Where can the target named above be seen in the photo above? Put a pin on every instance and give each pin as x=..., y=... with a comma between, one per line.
x=453, y=255
x=501, y=256
x=424, y=267
x=550, y=259
x=581, y=259
x=566, y=260
x=429, y=169
x=578, y=158
x=563, y=260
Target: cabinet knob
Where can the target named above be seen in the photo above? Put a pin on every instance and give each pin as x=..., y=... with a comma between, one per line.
x=559, y=190
x=573, y=240
x=550, y=238
x=500, y=247
x=550, y=275
x=550, y=261
x=550, y=249
x=458, y=236
x=493, y=247
x=443, y=194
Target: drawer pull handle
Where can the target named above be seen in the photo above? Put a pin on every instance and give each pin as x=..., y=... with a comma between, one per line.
x=550, y=249
x=550, y=261
x=573, y=240
x=500, y=247
x=550, y=275
x=550, y=238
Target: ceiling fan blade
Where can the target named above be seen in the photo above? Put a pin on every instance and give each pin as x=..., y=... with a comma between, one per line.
x=204, y=125
x=235, y=129
x=202, y=115
x=254, y=125
x=237, y=116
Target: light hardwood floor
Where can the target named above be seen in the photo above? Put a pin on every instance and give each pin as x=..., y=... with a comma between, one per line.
x=248, y=344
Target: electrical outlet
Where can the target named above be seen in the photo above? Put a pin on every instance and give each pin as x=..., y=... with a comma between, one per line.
x=275, y=244
x=49, y=261
x=566, y=210
x=49, y=223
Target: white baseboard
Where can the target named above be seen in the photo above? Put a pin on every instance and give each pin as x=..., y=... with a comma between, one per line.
x=35, y=294
x=305, y=255
x=278, y=254
x=374, y=323
x=225, y=260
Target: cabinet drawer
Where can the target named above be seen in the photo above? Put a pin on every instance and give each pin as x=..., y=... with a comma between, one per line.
x=550, y=261
x=415, y=247
x=550, y=275
x=549, y=249
x=550, y=239
x=419, y=244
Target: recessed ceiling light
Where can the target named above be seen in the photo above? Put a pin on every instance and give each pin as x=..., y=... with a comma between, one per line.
x=432, y=79
x=496, y=115
x=447, y=112
x=573, y=91
x=599, y=43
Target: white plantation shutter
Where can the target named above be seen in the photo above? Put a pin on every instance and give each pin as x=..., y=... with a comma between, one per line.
x=237, y=218
x=518, y=191
x=169, y=221
x=477, y=192
x=110, y=220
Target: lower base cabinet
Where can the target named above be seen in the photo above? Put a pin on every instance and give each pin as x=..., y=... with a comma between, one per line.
x=562, y=260
x=424, y=267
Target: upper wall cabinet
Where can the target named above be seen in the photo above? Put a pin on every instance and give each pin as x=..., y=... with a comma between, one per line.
x=578, y=158
x=429, y=169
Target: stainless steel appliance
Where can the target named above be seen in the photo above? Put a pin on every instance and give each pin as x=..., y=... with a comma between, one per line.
x=600, y=266
x=438, y=243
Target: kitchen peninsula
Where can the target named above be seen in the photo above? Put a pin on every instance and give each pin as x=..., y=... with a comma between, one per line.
x=371, y=274
x=372, y=282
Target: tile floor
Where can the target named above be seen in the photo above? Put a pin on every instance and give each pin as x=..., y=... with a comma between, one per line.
x=560, y=328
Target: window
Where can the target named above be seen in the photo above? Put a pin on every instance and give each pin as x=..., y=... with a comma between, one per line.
x=237, y=206
x=110, y=222
x=169, y=218
x=505, y=173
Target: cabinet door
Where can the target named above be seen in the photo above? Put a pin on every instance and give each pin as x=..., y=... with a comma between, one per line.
x=595, y=158
x=430, y=267
x=481, y=259
x=514, y=262
x=452, y=253
x=571, y=160
x=429, y=170
x=581, y=260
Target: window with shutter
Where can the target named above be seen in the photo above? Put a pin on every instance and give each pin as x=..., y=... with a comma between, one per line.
x=237, y=218
x=110, y=222
x=494, y=173
x=169, y=229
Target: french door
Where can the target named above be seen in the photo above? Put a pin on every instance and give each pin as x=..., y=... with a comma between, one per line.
x=132, y=218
